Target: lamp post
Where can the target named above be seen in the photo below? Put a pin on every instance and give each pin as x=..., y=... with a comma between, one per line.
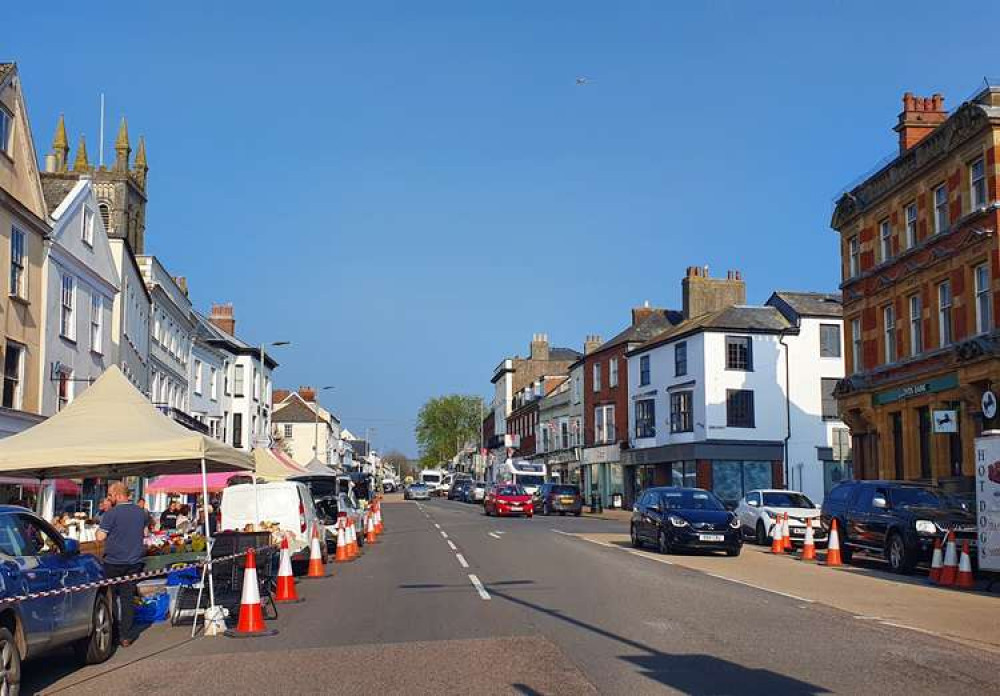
x=260, y=385
x=316, y=433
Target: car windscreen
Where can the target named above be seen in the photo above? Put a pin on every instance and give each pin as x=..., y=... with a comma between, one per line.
x=787, y=500
x=690, y=500
x=511, y=490
x=322, y=487
x=431, y=478
x=418, y=487
x=915, y=496
x=530, y=479
x=564, y=490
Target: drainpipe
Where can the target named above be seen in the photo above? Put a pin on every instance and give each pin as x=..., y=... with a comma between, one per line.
x=788, y=404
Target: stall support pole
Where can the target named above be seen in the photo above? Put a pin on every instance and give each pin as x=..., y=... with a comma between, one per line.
x=210, y=613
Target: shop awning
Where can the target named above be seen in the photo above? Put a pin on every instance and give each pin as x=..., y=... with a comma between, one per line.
x=63, y=486
x=191, y=483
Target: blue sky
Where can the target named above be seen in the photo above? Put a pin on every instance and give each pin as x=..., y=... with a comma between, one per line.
x=408, y=190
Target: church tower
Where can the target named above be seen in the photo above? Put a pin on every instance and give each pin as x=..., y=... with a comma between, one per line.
x=120, y=189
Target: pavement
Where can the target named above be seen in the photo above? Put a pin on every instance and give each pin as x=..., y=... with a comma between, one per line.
x=452, y=602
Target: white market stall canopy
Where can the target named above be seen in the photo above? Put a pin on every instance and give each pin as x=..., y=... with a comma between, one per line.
x=317, y=467
x=112, y=430
x=268, y=467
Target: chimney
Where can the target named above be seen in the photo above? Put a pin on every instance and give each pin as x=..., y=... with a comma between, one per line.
x=51, y=163
x=182, y=283
x=920, y=116
x=279, y=395
x=702, y=294
x=540, y=347
x=222, y=318
x=308, y=394
x=641, y=314
x=591, y=343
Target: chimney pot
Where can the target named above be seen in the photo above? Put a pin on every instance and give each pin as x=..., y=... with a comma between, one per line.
x=223, y=318
x=702, y=294
x=919, y=118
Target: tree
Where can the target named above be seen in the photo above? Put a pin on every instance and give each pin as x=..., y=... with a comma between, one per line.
x=445, y=424
x=400, y=462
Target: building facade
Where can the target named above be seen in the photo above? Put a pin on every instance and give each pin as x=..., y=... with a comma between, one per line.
x=130, y=312
x=208, y=402
x=172, y=336
x=304, y=429
x=554, y=446
x=919, y=261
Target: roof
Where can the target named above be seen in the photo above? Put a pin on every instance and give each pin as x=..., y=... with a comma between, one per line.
x=655, y=324
x=5, y=70
x=747, y=318
x=563, y=354
x=209, y=332
x=295, y=410
x=812, y=304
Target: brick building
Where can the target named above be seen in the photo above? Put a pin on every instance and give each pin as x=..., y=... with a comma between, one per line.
x=919, y=266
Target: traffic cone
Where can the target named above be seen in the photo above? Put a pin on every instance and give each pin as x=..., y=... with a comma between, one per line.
x=369, y=529
x=316, y=569
x=833, y=546
x=777, y=538
x=787, y=533
x=353, y=548
x=964, y=580
x=285, y=591
x=378, y=518
x=936, y=561
x=342, y=555
x=809, y=544
x=251, y=621
x=949, y=571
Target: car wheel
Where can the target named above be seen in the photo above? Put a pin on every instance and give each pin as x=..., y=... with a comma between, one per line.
x=10, y=664
x=663, y=546
x=100, y=644
x=734, y=551
x=900, y=561
x=761, y=534
x=634, y=535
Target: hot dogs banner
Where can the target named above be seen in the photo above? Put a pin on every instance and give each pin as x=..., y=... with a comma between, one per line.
x=988, y=501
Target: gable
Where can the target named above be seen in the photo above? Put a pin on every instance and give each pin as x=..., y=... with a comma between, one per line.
x=19, y=174
x=67, y=234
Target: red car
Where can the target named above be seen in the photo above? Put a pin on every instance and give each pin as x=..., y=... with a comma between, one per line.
x=508, y=499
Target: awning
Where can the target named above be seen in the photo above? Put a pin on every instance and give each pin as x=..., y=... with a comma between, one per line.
x=270, y=467
x=63, y=486
x=191, y=483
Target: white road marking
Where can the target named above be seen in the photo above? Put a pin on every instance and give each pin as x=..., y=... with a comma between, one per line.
x=437, y=525
x=452, y=546
x=910, y=628
x=479, y=587
x=762, y=589
x=495, y=536
x=461, y=560
x=444, y=534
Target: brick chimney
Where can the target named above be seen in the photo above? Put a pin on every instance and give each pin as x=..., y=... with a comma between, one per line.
x=702, y=294
x=279, y=395
x=308, y=394
x=540, y=347
x=591, y=343
x=641, y=314
x=182, y=283
x=920, y=116
x=222, y=317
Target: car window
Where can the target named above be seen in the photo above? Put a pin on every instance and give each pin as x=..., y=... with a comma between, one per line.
x=786, y=499
x=511, y=490
x=840, y=493
x=864, y=500
x=916, y=496
x=36, y=538
x=564, y=490
x=754, y=497
x=690, y=499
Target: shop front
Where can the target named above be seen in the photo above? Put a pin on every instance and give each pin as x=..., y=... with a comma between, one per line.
x=603, y=478
x=560, y=466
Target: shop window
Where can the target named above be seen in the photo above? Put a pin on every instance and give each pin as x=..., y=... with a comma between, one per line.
x=732, y=479
x=683, y=474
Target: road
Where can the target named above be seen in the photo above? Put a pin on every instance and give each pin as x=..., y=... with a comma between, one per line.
x=450, y=601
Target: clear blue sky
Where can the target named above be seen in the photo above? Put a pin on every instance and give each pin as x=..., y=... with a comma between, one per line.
x=408, y=190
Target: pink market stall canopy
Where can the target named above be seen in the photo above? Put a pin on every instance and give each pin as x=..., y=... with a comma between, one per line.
x=191, y=483
x=63, y=486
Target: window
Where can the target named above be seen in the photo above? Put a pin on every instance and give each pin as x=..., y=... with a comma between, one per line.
x=684, y=474
x=87, y=232
x=680, y=412
x=853, y=257
x=65, y=389
x=564, y=433
x=911, y=225
x=738, y=353
x=576, y=389
x=17, y=285
x=597, y=377
x=197, y=376
x=944, y=314
x=681, y=359
x=238, y=385
x=288, y=431
x=889, y=327
x=237, y=430
x=977, y=184
x=829, y=340
x=604, y=424
x=984, y=312
x=644, y=371
x=613, y=372
x=105, y=212
x=13, y=375
x=6, y=127
x=916, y=326
x=213, y=383
x=884, y=241
x=645, y=418
x=96, y=323
x=827, y=385
x=940, y=209
x=739, y=408
x=66, y=327
x=856, y=345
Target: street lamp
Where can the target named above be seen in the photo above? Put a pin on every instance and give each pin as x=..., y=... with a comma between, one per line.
x=260, y=386
x=316, y=433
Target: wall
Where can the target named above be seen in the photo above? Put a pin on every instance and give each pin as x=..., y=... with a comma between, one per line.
x=206, y=406
x=662, y=379
x=130, y=319
x=607, y=394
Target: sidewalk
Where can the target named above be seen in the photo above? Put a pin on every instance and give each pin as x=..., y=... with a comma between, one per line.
x=608, y=514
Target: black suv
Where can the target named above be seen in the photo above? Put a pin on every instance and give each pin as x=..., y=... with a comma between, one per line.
x=896, y=519
x=558, y=497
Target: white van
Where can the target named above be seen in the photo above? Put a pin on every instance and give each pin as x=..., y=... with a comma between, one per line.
x=432, y=478
x=288, y=503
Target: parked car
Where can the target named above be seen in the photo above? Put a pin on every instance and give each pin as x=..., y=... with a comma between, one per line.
x=287, y=503
x=477, y=492
x=759, y=509
x=34, y=557
x=459, y=488
x=508, y=499
x=897, y=520
x=558, y=497
x=417, y=491
x=331, y=508
x=685, y=518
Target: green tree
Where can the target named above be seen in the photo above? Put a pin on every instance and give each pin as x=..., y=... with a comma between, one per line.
x=445, y=424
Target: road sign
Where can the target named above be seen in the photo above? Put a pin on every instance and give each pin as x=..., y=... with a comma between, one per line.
x=989, y=404
x=946, y=421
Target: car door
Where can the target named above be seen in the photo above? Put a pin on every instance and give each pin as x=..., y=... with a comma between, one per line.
x=749, y=509
x=879, y=518
x=651, y=516
x=858, y=512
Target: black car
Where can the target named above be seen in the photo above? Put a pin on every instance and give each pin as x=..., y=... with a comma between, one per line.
x=685, y=518
x=558, y=497
x=459, y=489
x=898, y=520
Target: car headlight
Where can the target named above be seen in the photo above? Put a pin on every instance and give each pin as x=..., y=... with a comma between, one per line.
x=734, y=523
x=678, y=521
x=926, y=527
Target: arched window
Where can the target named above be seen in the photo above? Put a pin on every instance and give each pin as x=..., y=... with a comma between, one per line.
x=105, y=210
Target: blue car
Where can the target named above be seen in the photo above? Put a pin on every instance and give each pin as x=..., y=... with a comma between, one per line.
x=34, y=557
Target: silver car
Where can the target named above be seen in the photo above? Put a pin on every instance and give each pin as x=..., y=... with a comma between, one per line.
x=417, y=491
x=477, y=492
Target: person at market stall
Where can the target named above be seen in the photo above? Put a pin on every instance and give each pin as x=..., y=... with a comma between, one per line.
x=168, y=518
x=102, y=507
x=149, y=517
x=122, y=530
x=183, y=524
x=212, y=521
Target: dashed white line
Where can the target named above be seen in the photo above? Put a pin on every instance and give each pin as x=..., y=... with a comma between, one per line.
x=461, y=559
x=436, y=525
x=452, y=546
x=758, y=587
x=479, y=587
x=444, y=534
x=495, y=536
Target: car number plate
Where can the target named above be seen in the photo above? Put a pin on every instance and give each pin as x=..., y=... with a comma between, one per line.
x=711, y=537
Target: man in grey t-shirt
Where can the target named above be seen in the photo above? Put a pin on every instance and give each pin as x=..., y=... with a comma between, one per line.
x=122, y=530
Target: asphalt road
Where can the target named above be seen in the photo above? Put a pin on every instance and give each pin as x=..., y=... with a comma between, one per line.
x=450, y=601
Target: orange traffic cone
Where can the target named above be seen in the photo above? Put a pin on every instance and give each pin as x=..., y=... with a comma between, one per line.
x=316, y=569
x=342, y=556
x=378, y=518
x=251, y=621
x=949, y=571
x=833, y=546
x=369, y=529
x=809, y=544
x=777, y=540
x=285, y=591
x=353, y=548
x=964, y=580
x=786, y=532
x=936, y=562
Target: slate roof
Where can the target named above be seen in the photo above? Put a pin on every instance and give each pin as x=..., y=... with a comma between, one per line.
x=812, y=304
x=745, y=318
x=211, y=333
x=564, y=354
x=652, y=326
x=294, y=411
